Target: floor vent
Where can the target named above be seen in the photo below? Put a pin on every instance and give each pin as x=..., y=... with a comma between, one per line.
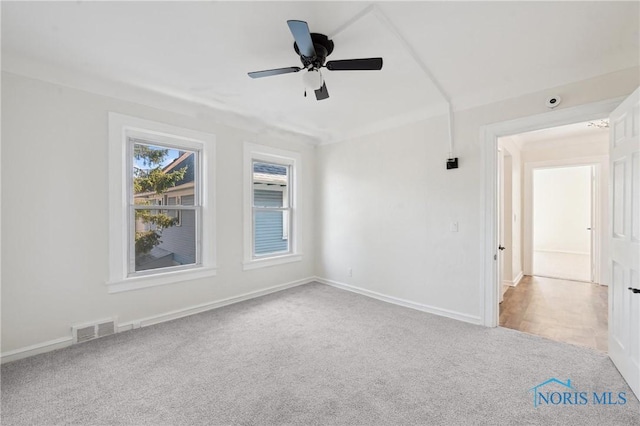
x=105, y=328
x=86, y=332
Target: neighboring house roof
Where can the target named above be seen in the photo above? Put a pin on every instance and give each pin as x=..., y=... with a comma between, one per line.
x=270, y=174
x=157, y=257
x=184, y=160
x=272, y=169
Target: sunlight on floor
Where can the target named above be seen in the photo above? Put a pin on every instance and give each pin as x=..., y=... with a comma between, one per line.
x=567, y=266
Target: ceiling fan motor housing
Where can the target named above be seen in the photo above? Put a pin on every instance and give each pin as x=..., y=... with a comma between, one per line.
x=323, y=47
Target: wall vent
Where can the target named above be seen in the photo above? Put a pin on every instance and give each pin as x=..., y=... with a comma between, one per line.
x=86, y=332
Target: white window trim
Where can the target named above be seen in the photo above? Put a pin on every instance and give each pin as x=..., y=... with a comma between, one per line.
x=121, y=127
x=267, y=154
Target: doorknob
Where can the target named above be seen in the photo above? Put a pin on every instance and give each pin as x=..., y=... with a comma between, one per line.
x=588, y=229
x=500, y=248
x=634, y=290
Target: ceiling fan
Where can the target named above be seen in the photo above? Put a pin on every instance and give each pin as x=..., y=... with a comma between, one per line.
x=313, y=49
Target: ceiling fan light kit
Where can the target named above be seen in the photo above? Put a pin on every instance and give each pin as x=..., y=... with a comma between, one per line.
x=312, y=79
x=313, y=49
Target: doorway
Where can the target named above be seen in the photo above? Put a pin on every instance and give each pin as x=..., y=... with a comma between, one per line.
x=556, y=294
x=563, y=211
x=490, y=135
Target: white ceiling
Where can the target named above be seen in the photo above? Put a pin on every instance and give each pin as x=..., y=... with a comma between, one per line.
x=478, y=52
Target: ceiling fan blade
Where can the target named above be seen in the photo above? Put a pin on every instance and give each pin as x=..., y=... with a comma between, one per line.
x=367, y=64
x=277, y=71
x=302, y=36
x=322, y=93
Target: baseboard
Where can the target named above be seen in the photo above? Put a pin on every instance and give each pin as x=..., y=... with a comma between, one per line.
x=517, y=279
x=402, y=302
x=192, y=310
x=565, y=279
x=63, y=342
x=38, y=348
x=563, y=252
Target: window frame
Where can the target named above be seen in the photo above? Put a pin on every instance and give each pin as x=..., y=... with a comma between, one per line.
x=122, y=130
x=285, y=209
x=261, y=153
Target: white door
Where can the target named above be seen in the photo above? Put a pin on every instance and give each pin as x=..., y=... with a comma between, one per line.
x=593, y=217
x=624, y=290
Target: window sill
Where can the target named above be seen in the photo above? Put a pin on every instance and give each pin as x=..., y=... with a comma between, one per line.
x=136, y=283
x=271, y=261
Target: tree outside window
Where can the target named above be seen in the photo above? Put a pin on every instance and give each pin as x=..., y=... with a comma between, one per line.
x=163, y=178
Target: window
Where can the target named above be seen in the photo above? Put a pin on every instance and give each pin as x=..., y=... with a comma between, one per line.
x=161, y=224
x=271, y=222
x=157, y=239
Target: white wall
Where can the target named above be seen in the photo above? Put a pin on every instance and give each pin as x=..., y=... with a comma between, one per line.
x=566, y=149
x=385, y=203
x=562, y=209
x=55, y=221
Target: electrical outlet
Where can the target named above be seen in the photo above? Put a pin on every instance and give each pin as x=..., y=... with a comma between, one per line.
x=349, y=272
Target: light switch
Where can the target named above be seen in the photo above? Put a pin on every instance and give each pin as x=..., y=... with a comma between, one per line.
x=454, y=226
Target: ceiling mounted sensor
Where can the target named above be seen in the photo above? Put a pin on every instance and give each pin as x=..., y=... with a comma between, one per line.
x=553, y=101
x=313, y=49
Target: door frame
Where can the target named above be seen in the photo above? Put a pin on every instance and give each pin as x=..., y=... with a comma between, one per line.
x=489, y=135
x=597, y=163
